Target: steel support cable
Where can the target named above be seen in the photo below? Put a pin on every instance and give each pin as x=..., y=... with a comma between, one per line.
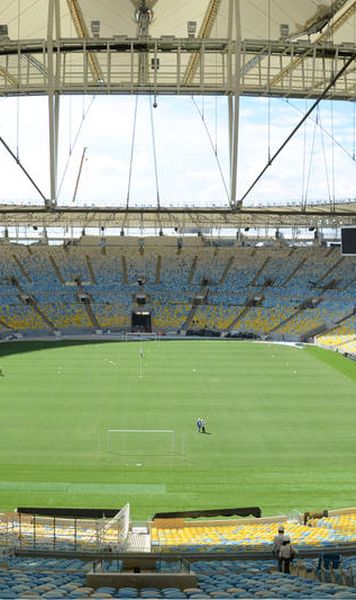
x=332, y=202
x=268, y=88
x=22, y=168
x=354, y=133
x=132, y=153
x=216, y=124
x=326, y=132
x=214, y=150
x=354, y=103
x=216, y=97
x=304, y=158
x=297, y=127
x=18, y=97
x=325, y=161
x=154, y=151
x=74, y=143
x=310, y=165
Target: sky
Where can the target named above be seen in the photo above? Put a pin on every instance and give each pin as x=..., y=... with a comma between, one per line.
x=191, y=146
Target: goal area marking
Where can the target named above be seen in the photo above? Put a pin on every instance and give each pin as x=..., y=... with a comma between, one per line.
x=129, y=442
x=140, y=431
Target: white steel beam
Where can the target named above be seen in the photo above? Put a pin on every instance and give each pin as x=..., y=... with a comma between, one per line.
x=179, y=217
x=53, y=59
x=235, y=105
x=308, y=67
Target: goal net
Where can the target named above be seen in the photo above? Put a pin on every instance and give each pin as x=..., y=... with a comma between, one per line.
x=139, y=337
x=112, y=533
x=141, y=442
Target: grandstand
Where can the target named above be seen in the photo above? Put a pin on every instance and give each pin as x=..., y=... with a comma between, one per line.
x=201, y=288
x=224, y=262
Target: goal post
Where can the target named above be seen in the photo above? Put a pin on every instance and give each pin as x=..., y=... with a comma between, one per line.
x=115, y=532
x=141, y=442
x=111, y=533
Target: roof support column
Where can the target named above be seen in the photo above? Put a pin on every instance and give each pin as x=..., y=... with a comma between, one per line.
x=53, y=23
x=234, y=95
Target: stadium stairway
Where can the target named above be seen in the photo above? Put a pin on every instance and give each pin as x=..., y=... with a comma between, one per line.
x=124, y=269
x=56, y=269
x=29, y=300
x=41, y=314
x=295, y=271
x=330, y=271
x=186, y=325
x=5, y=325
x=193, y=269
x=226, y=270
x=87, y=304
x=334, y=325
x=91, y=315
x=260, y=270
x=90, y=270
x=21, y=268
x=158, y=269
x=198, y=300
x=241, y=314
x=284, y=321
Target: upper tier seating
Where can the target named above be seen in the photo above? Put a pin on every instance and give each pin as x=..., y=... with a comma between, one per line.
x=254, y=290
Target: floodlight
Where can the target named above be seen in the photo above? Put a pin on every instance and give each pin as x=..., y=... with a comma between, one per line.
x=4, y=31
x=95, y=28
x=191, y=28
x=284, y=30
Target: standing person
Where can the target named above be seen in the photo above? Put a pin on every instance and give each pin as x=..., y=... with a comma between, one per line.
x=203, y=426
x=199, y=424
x=1, y=373
x=286, y=553
x=277, y=543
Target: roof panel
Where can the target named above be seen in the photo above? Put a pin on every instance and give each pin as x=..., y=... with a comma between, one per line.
x=260, y=19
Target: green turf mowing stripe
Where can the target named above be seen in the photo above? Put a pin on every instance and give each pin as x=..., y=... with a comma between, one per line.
x=82, y=488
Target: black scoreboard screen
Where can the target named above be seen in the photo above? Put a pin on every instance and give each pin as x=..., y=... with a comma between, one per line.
x=348, y=241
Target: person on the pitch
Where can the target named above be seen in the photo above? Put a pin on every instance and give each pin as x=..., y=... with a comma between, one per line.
x=199, y=425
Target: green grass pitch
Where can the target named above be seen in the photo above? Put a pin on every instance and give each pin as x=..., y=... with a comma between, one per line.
x=281, y=423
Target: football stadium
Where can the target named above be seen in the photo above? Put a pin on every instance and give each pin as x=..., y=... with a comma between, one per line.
x=178, y=299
